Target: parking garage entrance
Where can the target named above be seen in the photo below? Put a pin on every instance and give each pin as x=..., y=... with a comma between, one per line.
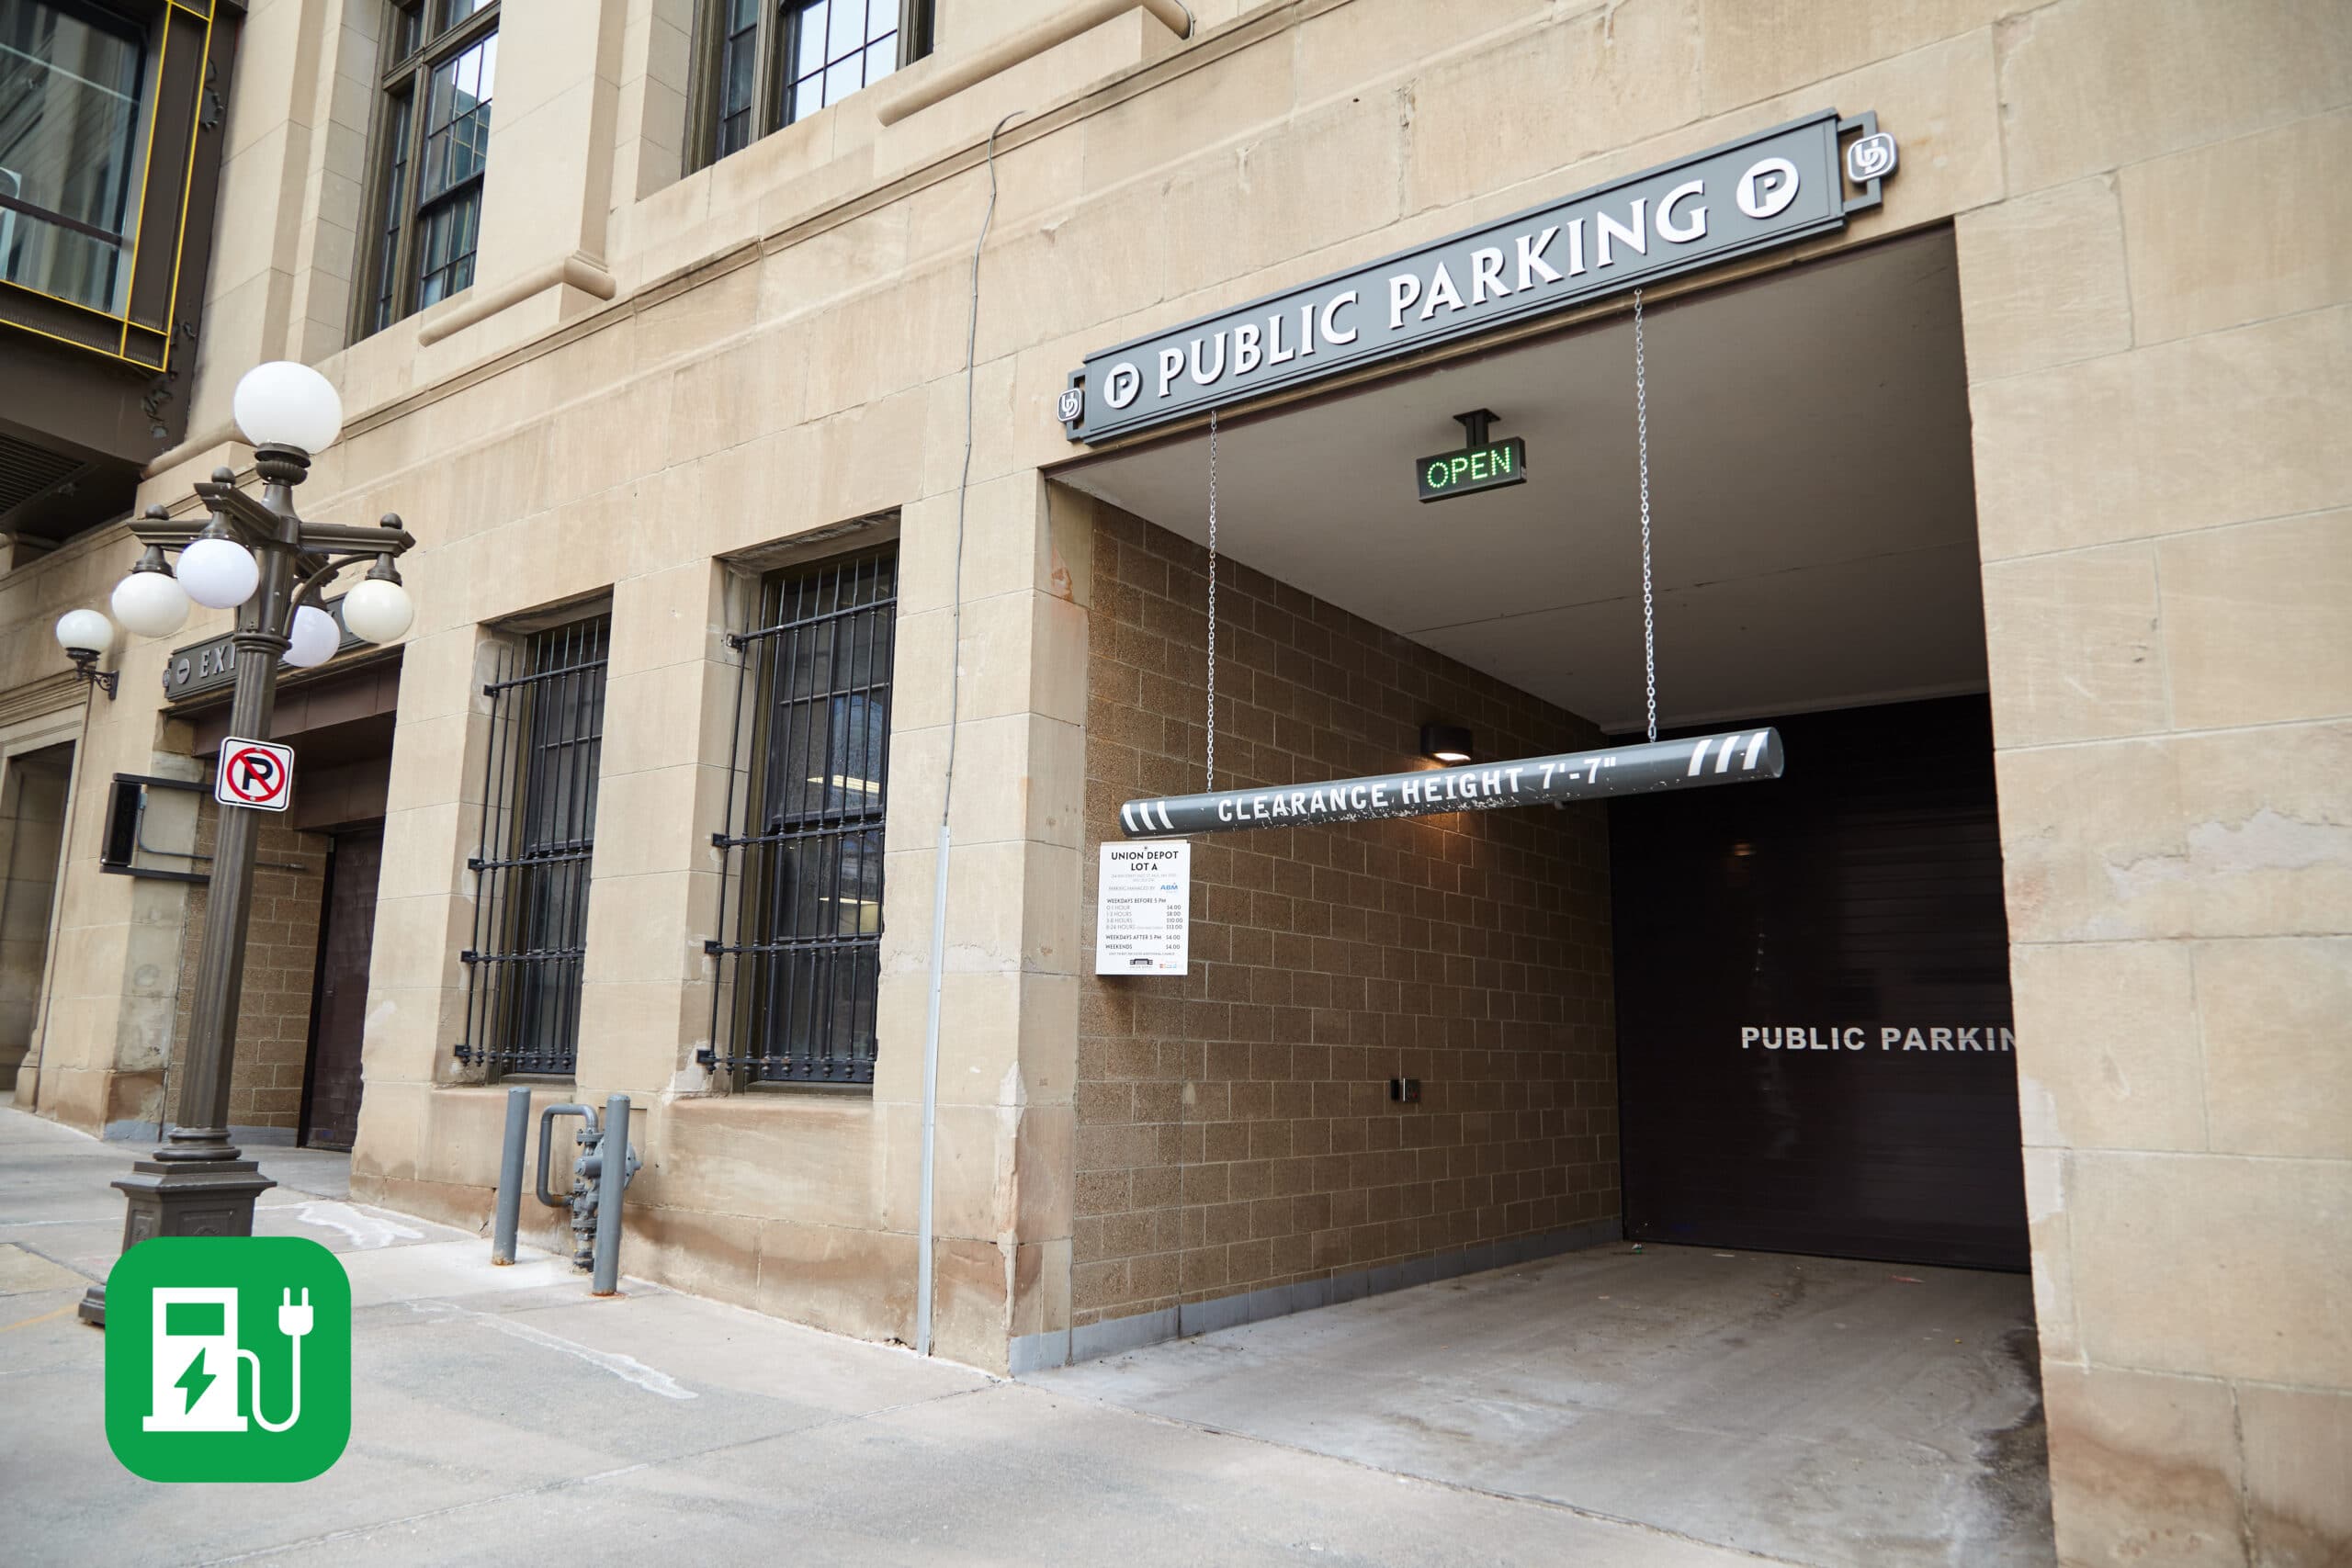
x=1772, y=1017
x=1752, y=1043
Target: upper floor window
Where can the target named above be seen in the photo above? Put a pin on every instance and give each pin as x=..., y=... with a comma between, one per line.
x=73, y=147
x=432, y=140
x=769, y=63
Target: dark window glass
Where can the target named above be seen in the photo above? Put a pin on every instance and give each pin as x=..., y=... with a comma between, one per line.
x=457, y=152
x=739, y=59
x=72, y=149
x=389, y=235
x=807, y=951
x=434, y=156
x=770, y=62
x=539, y=841
x=407, y=30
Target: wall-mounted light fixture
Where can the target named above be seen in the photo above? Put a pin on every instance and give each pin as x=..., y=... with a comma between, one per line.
x=1447, y=743
x=86, y=636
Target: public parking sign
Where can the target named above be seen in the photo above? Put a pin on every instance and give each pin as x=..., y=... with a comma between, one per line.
x=254, y=774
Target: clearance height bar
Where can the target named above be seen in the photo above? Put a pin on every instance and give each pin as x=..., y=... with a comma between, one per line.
x=1744, y=756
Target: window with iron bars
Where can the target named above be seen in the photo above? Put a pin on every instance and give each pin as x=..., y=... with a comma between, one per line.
x=802, y=965
x=539, y=841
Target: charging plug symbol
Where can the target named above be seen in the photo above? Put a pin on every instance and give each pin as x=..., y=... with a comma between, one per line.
x=294, y=1321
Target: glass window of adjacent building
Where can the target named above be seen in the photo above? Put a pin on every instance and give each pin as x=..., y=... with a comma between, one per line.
x=440, y=65
x=765, y=64
x=801, y=945
x=74, y=80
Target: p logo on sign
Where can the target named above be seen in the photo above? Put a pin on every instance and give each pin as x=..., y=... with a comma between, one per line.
x=254, y=774
x=1871, y=158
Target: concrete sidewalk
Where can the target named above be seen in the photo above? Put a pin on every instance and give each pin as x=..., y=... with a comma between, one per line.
x=505, y=1415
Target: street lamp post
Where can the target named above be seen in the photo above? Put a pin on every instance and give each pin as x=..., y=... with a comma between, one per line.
x=258, y=557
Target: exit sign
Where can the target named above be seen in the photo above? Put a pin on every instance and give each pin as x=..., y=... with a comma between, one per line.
x=1489, y=467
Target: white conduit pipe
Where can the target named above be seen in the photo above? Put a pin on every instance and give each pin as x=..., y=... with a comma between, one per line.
x=923, y=1216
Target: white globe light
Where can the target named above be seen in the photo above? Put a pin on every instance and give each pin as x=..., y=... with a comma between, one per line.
x=377, y=610
x=284, y=403
x=219, y=574
x=313, y=639
x=80, y=629
x=151, y=603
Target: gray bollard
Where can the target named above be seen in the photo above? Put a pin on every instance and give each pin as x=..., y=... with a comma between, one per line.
x=510, y=1175
x=611, y=1176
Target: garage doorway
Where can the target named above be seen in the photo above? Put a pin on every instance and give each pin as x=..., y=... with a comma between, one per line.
x=1816, y=566
x=1814, y=1047
x=1806, y=1286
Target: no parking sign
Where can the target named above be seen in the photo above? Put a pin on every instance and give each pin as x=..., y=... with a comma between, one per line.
x=254, y=774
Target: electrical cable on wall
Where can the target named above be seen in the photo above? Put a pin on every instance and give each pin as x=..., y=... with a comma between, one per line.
x=964, y=479
x=1211, y=757
x=1641, y=433
x=947, y=783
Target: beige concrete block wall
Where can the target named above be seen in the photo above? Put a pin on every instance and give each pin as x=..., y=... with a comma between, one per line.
x=2159, y=325
x=281, y=969
x=1234, y=1130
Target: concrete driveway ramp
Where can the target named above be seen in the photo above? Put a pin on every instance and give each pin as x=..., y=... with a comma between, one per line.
x=1818, y=1411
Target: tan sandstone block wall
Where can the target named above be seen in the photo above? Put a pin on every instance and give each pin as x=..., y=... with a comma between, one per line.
x=1234, y=1127
x=105, y=1019
x=2159, y=324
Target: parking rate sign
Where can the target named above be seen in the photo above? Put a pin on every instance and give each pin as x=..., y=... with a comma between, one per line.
x=254, y=774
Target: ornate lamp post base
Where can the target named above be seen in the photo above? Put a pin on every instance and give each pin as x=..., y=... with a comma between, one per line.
x=182, y=1196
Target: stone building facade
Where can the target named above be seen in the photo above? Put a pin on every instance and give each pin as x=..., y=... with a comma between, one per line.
x=666, y=381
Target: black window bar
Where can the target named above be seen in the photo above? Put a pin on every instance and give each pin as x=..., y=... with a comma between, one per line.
x=797, y=983
x=538, y=839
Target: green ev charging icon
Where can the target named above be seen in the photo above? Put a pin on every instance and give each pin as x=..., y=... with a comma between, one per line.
x=228, y=1358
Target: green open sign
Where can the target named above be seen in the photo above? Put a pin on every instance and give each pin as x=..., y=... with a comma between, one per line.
x=1491, y=467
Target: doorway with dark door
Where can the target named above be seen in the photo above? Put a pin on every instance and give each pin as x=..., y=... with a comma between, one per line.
x=331, y=1080
x=340, y=722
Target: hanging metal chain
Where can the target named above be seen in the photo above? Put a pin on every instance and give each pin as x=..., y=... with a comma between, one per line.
x=1642, y=429
x=1212, y=764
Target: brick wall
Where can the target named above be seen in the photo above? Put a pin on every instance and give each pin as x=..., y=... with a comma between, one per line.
x=1234, y=1128
x=282, y=960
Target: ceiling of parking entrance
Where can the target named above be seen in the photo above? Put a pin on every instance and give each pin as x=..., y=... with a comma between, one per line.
x=1811, y=492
